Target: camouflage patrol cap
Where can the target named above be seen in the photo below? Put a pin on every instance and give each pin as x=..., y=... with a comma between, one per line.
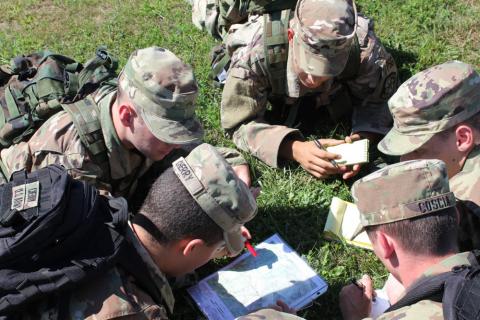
x=402, y=191
x=164, y=90
x=324, y=32
x=431, y=101
x=220, y=193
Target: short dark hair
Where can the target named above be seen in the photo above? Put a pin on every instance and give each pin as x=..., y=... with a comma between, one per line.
x=434, y=234
x=169, y=213
x=473, y=122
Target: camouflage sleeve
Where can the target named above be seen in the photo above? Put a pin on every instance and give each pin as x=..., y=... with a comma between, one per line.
x=233, y=157
x=244, y=102
x=56, y=141
x=269, y=314
x=375, y=83
x=424, y=309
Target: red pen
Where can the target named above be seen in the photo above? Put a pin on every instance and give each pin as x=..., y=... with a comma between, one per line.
x=250, y=248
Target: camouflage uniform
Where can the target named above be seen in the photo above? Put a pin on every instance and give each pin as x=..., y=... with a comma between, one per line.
x=248, y=87
x=427, y=309
x=420, y=187
x=433, y=101
x=117, y=295
x=169, y=115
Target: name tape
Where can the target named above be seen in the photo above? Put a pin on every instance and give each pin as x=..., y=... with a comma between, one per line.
x=25, y=196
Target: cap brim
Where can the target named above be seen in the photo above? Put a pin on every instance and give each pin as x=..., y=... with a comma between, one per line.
x=397, y=144
x=170, y=131
x=235, y=241
x=318, y=64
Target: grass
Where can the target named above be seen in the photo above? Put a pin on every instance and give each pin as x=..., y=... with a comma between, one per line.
x=419, y=33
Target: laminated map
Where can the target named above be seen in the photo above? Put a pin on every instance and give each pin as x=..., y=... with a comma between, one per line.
x=250, y=283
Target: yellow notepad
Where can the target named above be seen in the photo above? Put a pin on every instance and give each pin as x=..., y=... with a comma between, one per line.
x=352, y=153
x=342, y=222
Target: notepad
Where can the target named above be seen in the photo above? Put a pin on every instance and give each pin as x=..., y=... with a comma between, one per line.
x=250, y=283
x=343, y=221
x=352, y=153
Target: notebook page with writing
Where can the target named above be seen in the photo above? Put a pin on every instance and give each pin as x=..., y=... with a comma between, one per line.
x=352, y=153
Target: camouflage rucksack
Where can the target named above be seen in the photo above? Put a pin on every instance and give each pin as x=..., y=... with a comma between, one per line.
x=36, y=86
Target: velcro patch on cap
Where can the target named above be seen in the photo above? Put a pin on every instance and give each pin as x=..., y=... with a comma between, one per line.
x=25, y=196
x=186, y=175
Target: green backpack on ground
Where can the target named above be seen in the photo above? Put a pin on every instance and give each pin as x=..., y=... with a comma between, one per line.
x=36, y=86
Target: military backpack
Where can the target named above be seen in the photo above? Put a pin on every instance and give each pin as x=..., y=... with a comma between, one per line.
x=36, y=86
x=57, y=233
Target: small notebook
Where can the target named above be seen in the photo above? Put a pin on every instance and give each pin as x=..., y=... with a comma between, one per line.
x=352, y=153
x=343, y=221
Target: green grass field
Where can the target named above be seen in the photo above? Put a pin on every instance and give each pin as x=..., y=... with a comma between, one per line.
x=419, y=33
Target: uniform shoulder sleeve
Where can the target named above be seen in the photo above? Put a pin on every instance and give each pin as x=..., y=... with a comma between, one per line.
x=245, y=93
x=425, y=309
x=377, y=76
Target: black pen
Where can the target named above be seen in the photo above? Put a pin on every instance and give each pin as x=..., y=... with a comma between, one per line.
x=321, y=147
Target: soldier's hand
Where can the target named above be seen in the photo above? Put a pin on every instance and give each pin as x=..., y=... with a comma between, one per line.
x=355, y=302
x=243, y=173
x=316, y=161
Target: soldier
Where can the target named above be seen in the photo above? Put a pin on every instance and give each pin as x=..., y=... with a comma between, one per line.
x=217, y=16
x=151, y=113
x=321, y=55
x=192, y=212
x=408, y=212
x=437, y=116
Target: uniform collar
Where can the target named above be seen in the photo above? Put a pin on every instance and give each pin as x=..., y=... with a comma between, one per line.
x=122, y=160
x=157, y=276
x=448, y=263
x=464, y=183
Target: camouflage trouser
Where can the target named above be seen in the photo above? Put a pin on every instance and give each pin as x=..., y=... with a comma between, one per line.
x=205, y=16
x=2, y=179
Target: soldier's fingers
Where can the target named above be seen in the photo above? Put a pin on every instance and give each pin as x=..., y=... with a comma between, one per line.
x=322, y=154
x=351, y=172
x=368, y=286
x=328, y=166
x=331, y=142
x=285, y=307
x=352, y=138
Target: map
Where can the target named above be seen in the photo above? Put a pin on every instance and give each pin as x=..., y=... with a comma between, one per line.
x=250, y=283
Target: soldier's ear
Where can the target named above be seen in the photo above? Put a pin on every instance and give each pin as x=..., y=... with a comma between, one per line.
x=192, y=245
x=126, y=114
x=290, y=34
x=464, y=138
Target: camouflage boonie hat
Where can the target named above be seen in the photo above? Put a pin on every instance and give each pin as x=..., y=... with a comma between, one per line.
x=402, y=191
x=431, y=101
x=164, y=90
x=324, y=33
x=220, y=193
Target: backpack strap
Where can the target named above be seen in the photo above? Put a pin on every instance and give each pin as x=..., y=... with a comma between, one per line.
x=457, y=290
x=275, y=26
x=85, y=117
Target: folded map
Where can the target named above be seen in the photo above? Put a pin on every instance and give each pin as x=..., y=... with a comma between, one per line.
x=250, y=283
